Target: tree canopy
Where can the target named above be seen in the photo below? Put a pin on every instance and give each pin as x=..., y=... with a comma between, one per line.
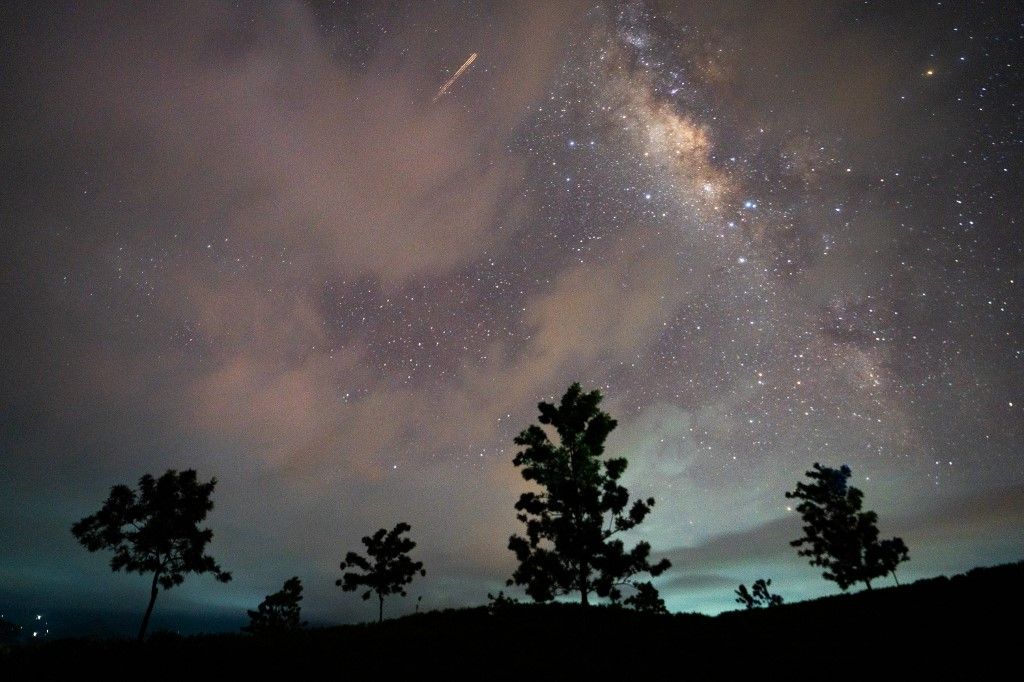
x=279, y=612
x=388, y=568
x=155, y=529
x=838, y=536
x=760, y=597
x=571, y=521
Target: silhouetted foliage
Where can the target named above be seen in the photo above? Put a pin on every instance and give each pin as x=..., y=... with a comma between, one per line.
x=940, y=628
x=839, y=536
x=744, y=597
x=388, y=569
x=570, y=524
x=887, y=555
x=497, y=603
x=646, y=599
x=155, y=530
x=279, y=612
x=761, y=596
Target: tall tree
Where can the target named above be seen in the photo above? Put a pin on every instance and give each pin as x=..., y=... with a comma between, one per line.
x=570, y=523
x=838, y=536
x=279, y=612
x=387, y=570
x=155, y=529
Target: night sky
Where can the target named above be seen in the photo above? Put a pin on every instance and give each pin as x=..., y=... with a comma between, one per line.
x=242, y=238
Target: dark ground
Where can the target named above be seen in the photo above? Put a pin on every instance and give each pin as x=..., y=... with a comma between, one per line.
x=965, y=627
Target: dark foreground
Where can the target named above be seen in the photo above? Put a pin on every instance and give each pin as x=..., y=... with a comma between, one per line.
x=948, y=628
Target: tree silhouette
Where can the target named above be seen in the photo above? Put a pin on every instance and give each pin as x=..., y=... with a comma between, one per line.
x=387, y=570
x=887, y=555
x=155, y=530
x=646, y=599
x=279, y=612
x=760, y=597
x=498, y=603
x=570, y=523
x=838, y=536
x=744, y=597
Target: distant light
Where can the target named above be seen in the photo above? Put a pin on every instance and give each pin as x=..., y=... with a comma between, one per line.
x=647, y=196
x=741, y=260
x=39, y=617
x=930, y=72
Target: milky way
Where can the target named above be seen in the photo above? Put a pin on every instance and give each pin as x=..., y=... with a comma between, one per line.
x=249, y=243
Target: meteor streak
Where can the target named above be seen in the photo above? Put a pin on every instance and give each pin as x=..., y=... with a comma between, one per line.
x=455, y=76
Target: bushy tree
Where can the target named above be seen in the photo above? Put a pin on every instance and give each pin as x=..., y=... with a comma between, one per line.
x=571, y=522
x=646, y=599
x=279, y=612
x=761, y=596
x=887, y=555
x=155, y=529
x=498, y=603
x=387, y=570
x=838, y=536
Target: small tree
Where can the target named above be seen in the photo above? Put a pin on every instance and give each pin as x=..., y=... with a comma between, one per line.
x=887, y=555
x=279, y=612
x=760, y=597
x=838, y=536
x=570, y=523
x=646, y=599
x=387, y=570
x=155, y=530
x=500, y=603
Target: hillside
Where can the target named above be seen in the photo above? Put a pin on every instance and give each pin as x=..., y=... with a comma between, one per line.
x=941, y=625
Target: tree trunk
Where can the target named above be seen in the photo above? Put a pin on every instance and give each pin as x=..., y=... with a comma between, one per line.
x=584, y=592
x=868, y=583
x=380, y=612
x=149, y=610
x=895, y=578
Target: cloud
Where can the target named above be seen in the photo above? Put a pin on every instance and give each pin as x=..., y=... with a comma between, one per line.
x=248, y=134
x=219, y=171
x=264, y=136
